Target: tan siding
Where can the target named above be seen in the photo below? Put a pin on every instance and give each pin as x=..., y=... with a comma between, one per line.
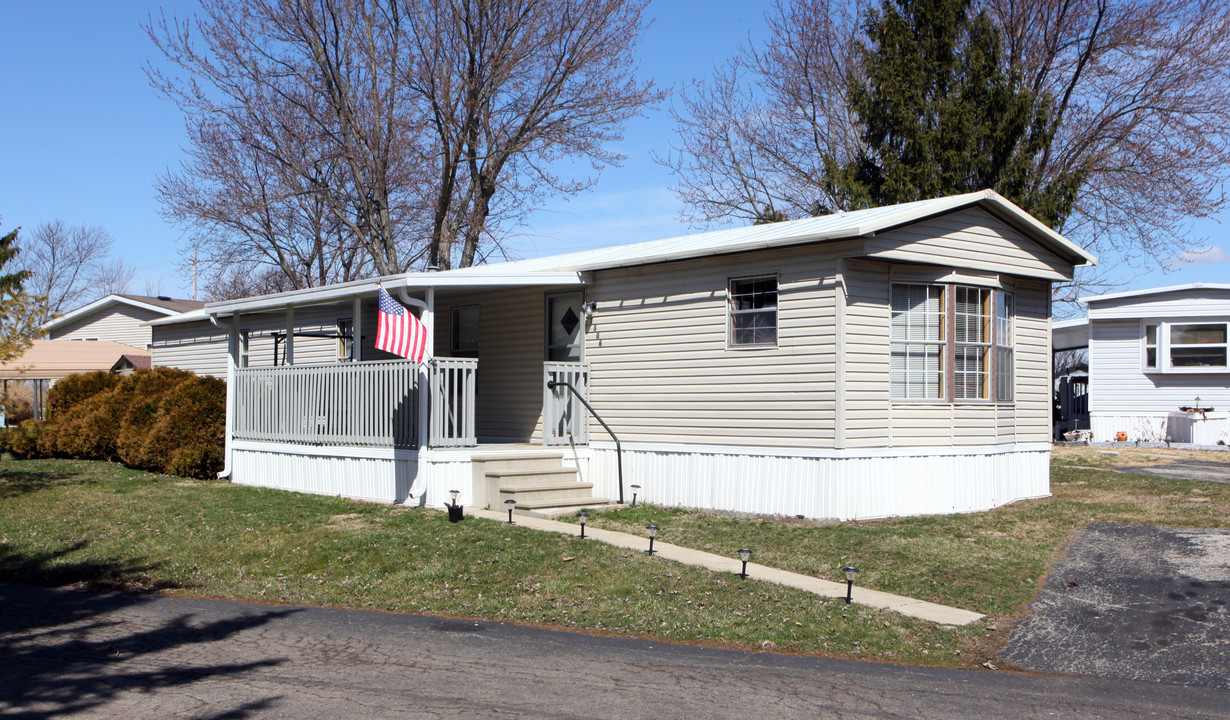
x=971, y=238
x=661, y=371
x=510, y=359
x=873, y=421
x=121, y=323
x=196, y=346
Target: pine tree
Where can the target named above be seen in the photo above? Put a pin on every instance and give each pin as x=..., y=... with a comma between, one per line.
x=942, y=114
x=16, y=306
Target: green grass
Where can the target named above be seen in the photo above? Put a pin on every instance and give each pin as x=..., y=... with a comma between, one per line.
x=103, y=526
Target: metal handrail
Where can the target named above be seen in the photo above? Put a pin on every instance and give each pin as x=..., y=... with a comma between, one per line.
x=619, y=458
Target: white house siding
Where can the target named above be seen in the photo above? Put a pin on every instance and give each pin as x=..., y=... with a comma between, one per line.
x=855, y=486
x=971, y=238
x=121, y=323
x=511, y=325
x=873, y=420
x=1189, y=302
x=661, y=370
x=197, y=346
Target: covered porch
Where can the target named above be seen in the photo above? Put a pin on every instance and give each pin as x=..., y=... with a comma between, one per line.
x=313, y=406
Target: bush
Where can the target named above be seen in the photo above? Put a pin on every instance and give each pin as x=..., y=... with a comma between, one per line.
x=164, y=420
x=22, y=441
x=76, y=389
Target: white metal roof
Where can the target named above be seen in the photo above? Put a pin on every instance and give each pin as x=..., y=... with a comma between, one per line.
x=1154, y=291
x=1070, y=334
x=567, y=269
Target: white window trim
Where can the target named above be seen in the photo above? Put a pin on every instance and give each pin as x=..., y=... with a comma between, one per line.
x=1164, y=366
x=730, y=313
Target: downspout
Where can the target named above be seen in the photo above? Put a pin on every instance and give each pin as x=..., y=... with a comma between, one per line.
x=424, y=411
x=232, y=349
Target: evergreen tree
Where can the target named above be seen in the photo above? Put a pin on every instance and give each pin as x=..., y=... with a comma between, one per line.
x=941, y=113
x=16, y=306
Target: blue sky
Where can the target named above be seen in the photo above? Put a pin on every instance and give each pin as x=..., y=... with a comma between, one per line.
x=82, y=136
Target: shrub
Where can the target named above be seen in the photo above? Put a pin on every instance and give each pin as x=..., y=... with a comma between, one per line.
x=89, y=430
x=23, y=441
x=73, y=390
x=186, y=435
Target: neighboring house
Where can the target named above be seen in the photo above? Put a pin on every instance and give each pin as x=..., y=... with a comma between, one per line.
x=1158, y=364
x=108, y=334
x=893, y=361
x=120, y=318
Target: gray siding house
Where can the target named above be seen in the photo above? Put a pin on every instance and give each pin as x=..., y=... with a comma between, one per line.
x=892, y=361
x=1152, y=353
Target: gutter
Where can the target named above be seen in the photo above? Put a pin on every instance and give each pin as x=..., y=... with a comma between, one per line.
x=230, y=395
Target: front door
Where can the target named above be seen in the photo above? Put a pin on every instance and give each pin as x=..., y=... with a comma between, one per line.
x=565, y=327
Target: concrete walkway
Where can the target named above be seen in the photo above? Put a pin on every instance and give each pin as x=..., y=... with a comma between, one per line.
x=910, y=607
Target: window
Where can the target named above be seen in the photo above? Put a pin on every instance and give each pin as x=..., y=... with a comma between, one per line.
x=753, y=312
x=244, y=346
x=1005, y=356
x=345, y=340
x=1185, y=347
x=951, y=342
x=1202, y=345
x=917, y=371
x=464, y=335
x=1150, y=347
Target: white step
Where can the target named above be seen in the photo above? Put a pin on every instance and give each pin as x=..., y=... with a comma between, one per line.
x=557, y=474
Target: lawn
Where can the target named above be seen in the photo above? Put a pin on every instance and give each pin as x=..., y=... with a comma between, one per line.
x=103, y=526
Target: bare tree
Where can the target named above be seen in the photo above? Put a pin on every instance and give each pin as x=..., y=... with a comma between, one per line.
x=69, y=266
x=1141, y=92
x=332, y=139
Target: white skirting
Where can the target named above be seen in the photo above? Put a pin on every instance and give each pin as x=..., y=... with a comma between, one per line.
x=360, y=473
x=922, y=481
x=1180, y=427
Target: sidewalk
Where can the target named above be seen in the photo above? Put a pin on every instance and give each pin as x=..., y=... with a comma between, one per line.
x=910, y=607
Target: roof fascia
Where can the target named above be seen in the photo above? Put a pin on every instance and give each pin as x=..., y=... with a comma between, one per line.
x=410, y=281
x=1153, y=291
x=101, y=302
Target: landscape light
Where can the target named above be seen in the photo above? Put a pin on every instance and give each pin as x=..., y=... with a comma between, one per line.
x=510, y=504
x=582, y=516
x=454, y=494
x=744, y=555
x=635, y=489
x=653, y=532
x=851, y=574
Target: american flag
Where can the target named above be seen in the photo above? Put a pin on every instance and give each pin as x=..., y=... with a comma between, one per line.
x=399, y=332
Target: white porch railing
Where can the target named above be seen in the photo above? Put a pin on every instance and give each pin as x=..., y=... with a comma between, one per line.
x=452, y=402
x=564, y=419
x=366, y=404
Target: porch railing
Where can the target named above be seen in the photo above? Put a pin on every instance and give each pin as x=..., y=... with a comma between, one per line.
x=452, y=402
x=563, y=416
x=365, y=404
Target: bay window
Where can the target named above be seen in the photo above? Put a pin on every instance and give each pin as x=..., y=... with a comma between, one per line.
x=951, y=342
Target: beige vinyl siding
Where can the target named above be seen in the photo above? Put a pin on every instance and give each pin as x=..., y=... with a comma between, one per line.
x=661, y=369
x=971, y=238
x=508, y=398
x=120, y=323
x=873, y=420
x=197, y=346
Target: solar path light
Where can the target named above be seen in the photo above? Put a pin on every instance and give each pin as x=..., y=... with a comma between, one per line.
x=653, y=532
x=744, y=555
x=635, y=489
x=582, y=516
x=511, y=505
x=851, y=574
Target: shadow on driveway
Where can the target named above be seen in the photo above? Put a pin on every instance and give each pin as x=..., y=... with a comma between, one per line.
x=1133, y=602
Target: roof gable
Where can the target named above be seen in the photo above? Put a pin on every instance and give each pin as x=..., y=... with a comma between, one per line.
x=160, y=305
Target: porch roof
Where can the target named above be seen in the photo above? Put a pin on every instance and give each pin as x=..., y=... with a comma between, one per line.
x=410, y=281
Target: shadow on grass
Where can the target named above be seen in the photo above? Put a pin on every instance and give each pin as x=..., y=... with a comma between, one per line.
x=24, y=481
x=68, y=651
x=55, y=568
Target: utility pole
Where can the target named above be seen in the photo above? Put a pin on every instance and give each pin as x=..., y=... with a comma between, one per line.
x=194, y=252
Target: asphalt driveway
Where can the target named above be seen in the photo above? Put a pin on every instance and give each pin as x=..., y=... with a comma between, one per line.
x=1135, y=602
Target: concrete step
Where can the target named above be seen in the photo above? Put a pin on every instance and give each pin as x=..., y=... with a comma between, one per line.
x=519, y=461
x=547, y=491
x=541, y=505
x=536, y=476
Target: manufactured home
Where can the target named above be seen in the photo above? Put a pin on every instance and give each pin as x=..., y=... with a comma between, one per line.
x=1158, y=363
x=891, y=361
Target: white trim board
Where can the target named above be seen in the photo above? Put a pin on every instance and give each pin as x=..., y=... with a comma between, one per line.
x=827, y=453
x=342, y=451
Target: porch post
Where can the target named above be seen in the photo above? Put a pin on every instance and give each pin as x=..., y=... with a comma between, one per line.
x=429, y=322
x=356, y=329
x=288, y=354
